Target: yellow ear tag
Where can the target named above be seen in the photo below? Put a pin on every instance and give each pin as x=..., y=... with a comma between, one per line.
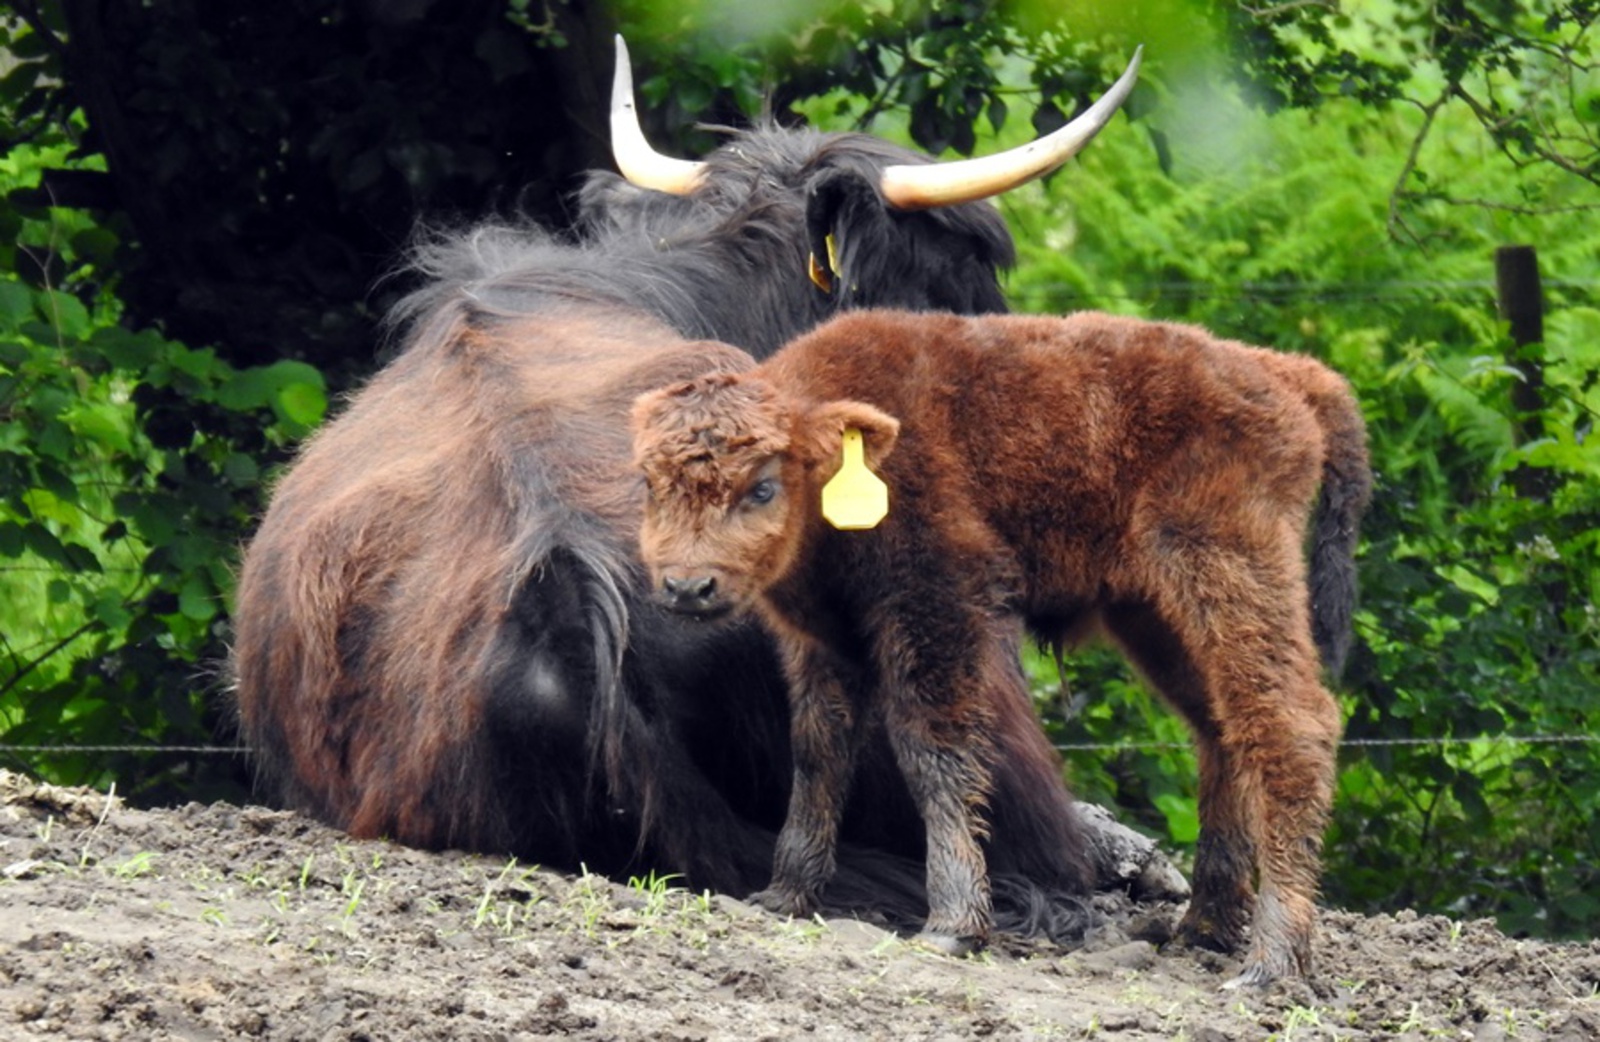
x=819, y=274
x=823, y=276
x=855, y=497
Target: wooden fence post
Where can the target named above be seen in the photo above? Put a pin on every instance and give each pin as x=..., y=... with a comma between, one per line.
x=1520, y=299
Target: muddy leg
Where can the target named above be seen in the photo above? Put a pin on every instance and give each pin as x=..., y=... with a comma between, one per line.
x=1290, y=780
x=1228, y=642
x=947, y=779
x=823, y=740
x=942, y=689
x=1220, y=907
x=1222, y=895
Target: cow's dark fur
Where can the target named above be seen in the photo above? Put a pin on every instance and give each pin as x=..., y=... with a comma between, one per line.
x=1062, y=474
x=441, y=629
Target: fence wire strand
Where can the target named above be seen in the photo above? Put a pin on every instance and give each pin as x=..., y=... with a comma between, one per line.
x=1491, y=739
x=1065, y=747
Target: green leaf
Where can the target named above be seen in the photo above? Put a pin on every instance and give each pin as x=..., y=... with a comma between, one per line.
x=81, y=558
x=1463, y=578
x=203, y=365
x=54, y=439
x=65, y=314
x=157, y=520
x=53, y=480
x=101, y=422
x=11, y=539
x=197, y=600
x=127, y=350
x=95, y=243
x=245, y=390
x=240, y=469
x=1183, y=817
x=16, y=302
x=302, y=405
x=294, y=390
x=1565, y=455
x=109, y=609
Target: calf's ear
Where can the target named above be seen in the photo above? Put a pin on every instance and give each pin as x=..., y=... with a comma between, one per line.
x=639, y=418
x=822, y=431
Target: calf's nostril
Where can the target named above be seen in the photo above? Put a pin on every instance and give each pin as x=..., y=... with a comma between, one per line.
x=694, y=588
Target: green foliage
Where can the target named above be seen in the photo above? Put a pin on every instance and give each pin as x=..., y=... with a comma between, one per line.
x=129, y=464
x=1522, y=73
x=943, y=69
x=264, y=165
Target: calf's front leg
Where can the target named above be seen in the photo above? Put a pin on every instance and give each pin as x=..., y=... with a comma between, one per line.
x=941, y=684
x=823, y=741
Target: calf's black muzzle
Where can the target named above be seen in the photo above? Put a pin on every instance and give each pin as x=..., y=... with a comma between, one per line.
x=692, y=595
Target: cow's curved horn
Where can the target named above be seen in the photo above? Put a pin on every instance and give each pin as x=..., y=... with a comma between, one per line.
x=923, y=186
x=639, y=163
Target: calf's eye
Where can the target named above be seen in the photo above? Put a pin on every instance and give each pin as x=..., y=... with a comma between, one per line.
x=762, y=492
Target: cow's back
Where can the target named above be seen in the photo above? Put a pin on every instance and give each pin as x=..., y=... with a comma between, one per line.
x=415, y=547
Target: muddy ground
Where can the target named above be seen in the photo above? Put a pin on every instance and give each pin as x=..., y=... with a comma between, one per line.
x=222, y=922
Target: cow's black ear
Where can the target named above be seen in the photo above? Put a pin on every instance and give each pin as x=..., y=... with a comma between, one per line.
x=844, y=205
x=944, y=259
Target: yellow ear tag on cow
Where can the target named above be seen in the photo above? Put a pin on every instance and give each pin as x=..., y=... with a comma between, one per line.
x=819, y=274
x=855, y=497
x=823, y=276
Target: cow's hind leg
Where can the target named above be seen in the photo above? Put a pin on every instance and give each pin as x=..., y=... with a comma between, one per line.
x=1246, y=676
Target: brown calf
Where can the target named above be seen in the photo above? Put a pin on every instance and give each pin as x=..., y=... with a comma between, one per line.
x=1092, y=472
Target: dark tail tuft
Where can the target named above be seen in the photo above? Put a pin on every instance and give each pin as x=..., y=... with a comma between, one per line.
x=1346, y=488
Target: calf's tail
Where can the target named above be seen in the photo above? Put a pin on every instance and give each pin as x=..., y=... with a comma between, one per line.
x=1346, y=489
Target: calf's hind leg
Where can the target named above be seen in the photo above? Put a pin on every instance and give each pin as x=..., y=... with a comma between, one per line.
x=1246, y=676
x=1223, y=890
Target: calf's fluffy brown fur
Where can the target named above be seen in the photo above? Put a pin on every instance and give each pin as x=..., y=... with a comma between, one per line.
x=1063, y=475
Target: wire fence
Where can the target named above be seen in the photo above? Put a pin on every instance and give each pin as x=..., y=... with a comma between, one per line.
x=1066, y=747
x=1369, y=743
x=1470, y=291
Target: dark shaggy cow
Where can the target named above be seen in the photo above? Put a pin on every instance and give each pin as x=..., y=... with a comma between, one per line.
x=1058, y=474
x=442, y=632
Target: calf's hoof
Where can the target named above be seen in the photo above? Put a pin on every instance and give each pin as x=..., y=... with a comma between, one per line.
x=1214, y=933
x=1258, y=974
x=782, y=902
x=1273, y=959
x=947, y=944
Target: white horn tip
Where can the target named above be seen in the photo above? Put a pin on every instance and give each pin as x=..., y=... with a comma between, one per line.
x=637, y=161
x=919, y=186
x=622, y=80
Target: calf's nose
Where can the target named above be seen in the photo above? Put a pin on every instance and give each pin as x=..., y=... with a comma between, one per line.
x=690, y=593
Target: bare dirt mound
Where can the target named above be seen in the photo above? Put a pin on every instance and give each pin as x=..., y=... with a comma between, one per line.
x=228, y=922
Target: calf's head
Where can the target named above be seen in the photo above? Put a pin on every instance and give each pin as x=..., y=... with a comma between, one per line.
x=734, y=469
